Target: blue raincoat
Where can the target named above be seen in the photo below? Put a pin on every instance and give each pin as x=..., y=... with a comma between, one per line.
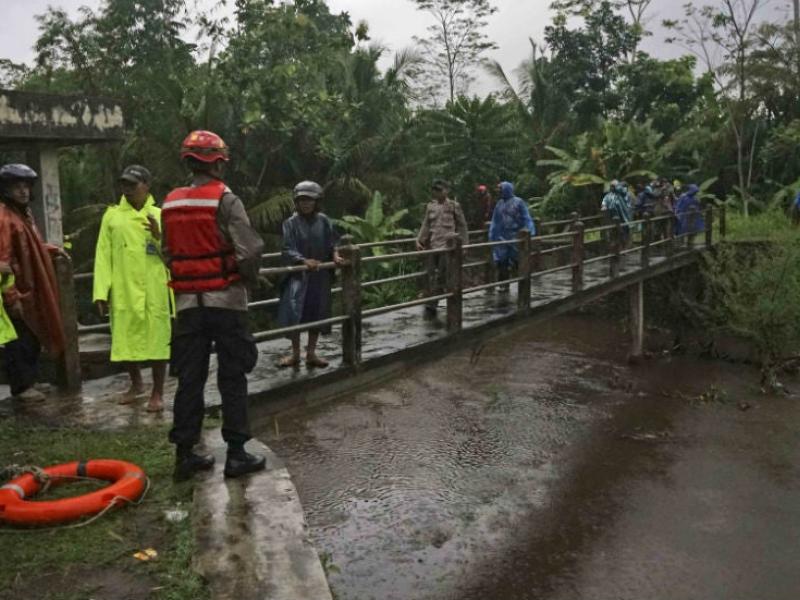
x=685, y=221
x=646, y=202
x=616, y=203
x=510, y=215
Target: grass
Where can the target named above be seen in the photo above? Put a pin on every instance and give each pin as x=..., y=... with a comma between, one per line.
x=771, y=224
x=70, y=561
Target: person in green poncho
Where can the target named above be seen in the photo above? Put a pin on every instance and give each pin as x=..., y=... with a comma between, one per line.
x=7, y=331
x=130, y=282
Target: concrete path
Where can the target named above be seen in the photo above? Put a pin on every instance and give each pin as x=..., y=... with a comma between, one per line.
x=251, y=534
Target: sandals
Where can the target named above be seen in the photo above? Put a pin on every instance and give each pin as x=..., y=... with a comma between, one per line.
x=155, y=408
x=316, y=361
x=289, y=361
x=130, y=397
x=294, y=362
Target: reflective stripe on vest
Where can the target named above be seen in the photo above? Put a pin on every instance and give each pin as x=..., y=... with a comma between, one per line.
x=200, y=259
x=195, y=202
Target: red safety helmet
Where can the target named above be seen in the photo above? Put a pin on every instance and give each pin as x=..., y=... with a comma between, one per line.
x=205, y=146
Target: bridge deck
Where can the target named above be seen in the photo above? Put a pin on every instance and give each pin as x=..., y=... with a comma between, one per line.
x=406, y=329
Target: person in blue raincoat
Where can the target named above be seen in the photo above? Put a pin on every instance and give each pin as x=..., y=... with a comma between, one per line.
x=689, y=212
x=510, y=215
x=308, y=239
x=646, y=202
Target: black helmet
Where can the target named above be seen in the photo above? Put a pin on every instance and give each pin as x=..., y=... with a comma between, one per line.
x=17, y=172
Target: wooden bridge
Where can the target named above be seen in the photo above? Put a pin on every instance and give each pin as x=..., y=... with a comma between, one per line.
x=570, y=263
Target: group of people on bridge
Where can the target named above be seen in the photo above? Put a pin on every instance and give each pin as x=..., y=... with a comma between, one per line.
x=659, y=198
x=174, y=282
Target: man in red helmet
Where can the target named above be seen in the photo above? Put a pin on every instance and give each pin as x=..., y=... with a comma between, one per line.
x=213, y=254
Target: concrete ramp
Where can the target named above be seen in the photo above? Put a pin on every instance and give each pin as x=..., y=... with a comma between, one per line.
x=251, y=534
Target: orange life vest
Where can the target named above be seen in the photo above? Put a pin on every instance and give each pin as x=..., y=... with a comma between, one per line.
x=200, y=259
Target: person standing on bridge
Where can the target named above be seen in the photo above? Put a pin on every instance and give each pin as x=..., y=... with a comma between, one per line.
x=308, y=239
x=213, y=254
x=617, y=209
x=689, y=212
x=511, y=215
x=443, y=217
x=32, y=300
x=130, y=282
x=486, y=205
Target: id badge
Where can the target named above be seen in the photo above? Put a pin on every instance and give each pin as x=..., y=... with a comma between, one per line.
x=151, y=248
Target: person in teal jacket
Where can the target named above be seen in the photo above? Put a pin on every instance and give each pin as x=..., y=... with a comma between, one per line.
x=130, y=282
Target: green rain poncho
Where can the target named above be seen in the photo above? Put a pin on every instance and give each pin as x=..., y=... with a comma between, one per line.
x=128, y=272
x=7, y=331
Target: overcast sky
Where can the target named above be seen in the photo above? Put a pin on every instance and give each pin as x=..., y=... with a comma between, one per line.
x=392, y=22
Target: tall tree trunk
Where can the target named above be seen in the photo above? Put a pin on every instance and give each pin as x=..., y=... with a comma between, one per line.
x=797, y=22
x=797, y=38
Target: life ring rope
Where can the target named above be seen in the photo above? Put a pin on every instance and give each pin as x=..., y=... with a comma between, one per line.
x=128, y=483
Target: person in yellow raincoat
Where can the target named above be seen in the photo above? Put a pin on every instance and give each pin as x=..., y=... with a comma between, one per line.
x=7, y=331
x=130, y=280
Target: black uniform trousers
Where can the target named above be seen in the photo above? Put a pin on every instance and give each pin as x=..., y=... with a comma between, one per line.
x=22, y=358
x=196, y=330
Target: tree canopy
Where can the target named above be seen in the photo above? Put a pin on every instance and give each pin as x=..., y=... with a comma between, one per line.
x=301, y=92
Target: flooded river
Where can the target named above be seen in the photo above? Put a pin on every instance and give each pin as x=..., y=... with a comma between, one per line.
x=542, y=466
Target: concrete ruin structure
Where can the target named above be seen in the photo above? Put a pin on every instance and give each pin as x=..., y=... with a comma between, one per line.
x=38, y=125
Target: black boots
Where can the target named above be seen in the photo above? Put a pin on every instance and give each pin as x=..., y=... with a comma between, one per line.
x=187, y=463
x=239, y=462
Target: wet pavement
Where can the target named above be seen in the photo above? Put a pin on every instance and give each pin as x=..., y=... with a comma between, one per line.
x=382, y=335
x=542, y=466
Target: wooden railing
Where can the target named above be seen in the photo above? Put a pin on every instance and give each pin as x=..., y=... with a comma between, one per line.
x=538, y=256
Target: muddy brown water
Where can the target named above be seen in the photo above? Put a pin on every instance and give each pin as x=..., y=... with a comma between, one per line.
x=542, y=466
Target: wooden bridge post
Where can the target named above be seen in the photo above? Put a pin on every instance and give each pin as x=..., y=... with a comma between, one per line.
x=524, y=271
x=577, y=256
x=455, y=279
x=491, y=267
x=69, y=366
x=709, y=227
x=670, y=236
x=536, y=255
x=616, y=248
x=351, y=301
x=722, y=222
x=647, y=240
x=637, y=320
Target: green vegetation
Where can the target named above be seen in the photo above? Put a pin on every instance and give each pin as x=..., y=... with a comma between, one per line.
x=297, y=92
x=754, y=291
x=69, y=563
x=771, y=224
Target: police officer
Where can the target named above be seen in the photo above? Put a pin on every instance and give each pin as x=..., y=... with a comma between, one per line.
x=443, y=217
x=213, y=254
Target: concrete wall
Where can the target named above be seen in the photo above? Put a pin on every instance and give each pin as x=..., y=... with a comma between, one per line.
x=63, y=120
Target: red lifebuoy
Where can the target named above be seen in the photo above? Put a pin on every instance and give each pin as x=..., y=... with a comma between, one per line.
x=128, y=483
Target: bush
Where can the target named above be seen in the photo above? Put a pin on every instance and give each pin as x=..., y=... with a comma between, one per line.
x=754, y=292
x=772, y=224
